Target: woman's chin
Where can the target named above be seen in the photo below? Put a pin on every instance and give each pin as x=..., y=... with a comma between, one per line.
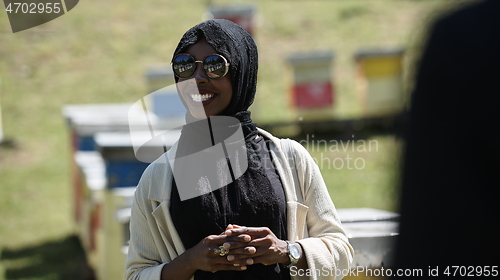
x=199, y=116
x=200, y=113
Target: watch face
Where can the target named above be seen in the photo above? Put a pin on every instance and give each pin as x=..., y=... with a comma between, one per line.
x=294, y=251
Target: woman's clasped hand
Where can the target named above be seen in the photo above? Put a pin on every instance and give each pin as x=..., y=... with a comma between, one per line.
x=237, y=247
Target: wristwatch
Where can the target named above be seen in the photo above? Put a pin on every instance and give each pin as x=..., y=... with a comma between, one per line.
x=293, y=253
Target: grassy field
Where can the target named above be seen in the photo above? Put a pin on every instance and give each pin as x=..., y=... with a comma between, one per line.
x=98, y=53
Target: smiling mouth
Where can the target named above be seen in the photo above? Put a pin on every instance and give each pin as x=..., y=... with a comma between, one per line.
x=196, y=97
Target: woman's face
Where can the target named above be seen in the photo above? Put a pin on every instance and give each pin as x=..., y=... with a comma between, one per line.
x=213, y=96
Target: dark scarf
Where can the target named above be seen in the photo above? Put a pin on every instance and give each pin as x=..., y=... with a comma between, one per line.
x=248, y=200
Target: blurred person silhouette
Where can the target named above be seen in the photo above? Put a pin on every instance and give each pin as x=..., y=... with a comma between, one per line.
x=273, y=217
x=451, y=175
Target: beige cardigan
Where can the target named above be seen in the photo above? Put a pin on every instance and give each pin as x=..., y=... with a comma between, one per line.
x=312, y=219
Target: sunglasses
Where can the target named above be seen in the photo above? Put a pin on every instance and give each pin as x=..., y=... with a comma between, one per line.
x=214, y=65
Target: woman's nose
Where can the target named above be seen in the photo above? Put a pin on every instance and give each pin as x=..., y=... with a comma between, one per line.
x=199, y=75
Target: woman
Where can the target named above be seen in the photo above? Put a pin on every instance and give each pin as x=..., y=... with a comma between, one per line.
x=268, y=217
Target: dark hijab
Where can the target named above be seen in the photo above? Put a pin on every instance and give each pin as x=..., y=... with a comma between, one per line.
x=237, y=45
x=249, y=200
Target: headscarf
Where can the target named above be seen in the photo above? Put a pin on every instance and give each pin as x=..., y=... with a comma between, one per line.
x=235, y=44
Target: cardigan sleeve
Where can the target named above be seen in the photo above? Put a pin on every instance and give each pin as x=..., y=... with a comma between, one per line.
x=143, y=260
x=327, y=249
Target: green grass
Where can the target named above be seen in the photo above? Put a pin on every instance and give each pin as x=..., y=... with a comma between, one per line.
x=58, y=259
x=98, y=53
x=360, y=172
